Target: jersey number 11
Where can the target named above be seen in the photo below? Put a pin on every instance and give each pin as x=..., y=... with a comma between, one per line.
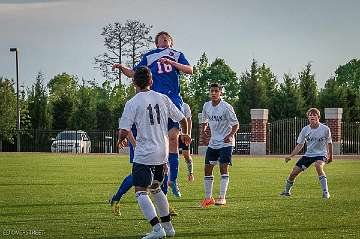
x=151, y=115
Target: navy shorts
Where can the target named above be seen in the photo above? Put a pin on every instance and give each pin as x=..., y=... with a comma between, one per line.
x=304, y=162
x=222, y=155
x=144, y=175
x=172, y=124
x=182, y=145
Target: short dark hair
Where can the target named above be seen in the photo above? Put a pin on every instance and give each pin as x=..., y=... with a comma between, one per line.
x=163, y=33
x=216, y=85
x=142, y=77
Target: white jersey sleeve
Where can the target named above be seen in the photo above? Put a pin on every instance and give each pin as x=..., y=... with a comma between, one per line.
x=186, y=110
x=204, y=116
x=128, y=117
x=232, y=116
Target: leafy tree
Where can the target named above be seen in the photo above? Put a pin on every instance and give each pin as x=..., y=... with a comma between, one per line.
x=251, y=94
x=288, y=102
x=83, y=117
x=349, y=74
x=63, y=89
x=270, y=85
x=308, y=87
x=38, y=104
x=7, y=111
x=122, y=40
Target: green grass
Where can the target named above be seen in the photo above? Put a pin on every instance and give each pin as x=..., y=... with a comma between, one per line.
x=65, y=196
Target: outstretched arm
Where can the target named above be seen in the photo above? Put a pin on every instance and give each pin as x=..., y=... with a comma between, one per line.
x=125, y=70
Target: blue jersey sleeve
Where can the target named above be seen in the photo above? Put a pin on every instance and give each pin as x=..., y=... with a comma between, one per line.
x=183, y=60
x=143, y=62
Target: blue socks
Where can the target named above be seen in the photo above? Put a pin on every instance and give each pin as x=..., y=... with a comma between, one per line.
x=125, y=186
x=174, y=166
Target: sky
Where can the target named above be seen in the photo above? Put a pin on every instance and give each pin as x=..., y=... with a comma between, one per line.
x=56, y=36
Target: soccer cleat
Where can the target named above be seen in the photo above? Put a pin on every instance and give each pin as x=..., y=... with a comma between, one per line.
x=156, y=234
x=286, y=194
x=115, y=207
x=191, y=178
x=175, y=189
x=207, y=202
x=169, y=229
x=172, y=211
x=220, y=201
x=326, y=195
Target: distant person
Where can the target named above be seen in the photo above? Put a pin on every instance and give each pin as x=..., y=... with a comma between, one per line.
x=221, y=118
x=317, y=137
x=166, y=64
x=150, y=111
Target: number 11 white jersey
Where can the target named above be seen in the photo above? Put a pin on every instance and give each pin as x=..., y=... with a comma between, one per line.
x=150, y=112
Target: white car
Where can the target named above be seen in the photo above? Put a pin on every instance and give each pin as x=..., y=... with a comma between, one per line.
x=71, y=141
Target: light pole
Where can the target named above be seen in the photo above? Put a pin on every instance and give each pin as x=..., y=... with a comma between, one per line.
x=17, y=100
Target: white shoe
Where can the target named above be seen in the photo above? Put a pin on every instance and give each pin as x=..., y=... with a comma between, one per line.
x=169, y=229
x=220, y=201
x=156, y=234
x=326, y=195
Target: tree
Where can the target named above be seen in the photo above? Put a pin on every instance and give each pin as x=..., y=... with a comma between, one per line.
x=251, y=94
x=83, y=117
x=349, y=74
x=308, y=87
x=138, y=40
x=7, y=111
x=288, y=101
x=38, y=104
x=62, y=88
x=128, y=40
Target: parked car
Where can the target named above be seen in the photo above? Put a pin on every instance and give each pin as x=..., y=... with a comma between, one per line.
x=71, y=141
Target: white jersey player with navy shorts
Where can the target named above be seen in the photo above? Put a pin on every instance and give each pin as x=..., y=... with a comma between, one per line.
x=221, y=118
x=150, y=111
x=317, y=137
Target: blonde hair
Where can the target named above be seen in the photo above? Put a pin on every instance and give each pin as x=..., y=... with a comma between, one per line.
x=313, y=111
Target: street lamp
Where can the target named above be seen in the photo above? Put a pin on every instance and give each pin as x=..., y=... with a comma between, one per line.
x=17, y=100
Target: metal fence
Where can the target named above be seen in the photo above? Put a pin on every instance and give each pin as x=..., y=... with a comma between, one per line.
x=350, y=138
x=282, y=135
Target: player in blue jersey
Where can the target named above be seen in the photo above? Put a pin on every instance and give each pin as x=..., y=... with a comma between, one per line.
x=166, y=64
x=127, y=183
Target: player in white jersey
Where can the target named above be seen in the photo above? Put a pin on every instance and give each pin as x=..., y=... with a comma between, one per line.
x=221, y=118
x=150, y=111
x=185, y=149
x=317, y=137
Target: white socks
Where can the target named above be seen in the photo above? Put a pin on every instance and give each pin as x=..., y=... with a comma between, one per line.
x=161, y=202
x=208, y=185
x=224, y=182
x=147, y=207
x=323, y=183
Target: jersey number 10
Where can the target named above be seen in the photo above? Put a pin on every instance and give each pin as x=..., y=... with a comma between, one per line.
x=163, y=67
x=151, y=115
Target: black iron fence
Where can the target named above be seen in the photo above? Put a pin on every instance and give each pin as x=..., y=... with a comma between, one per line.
x=350, y=138
x=281, y=139
x=282, y=135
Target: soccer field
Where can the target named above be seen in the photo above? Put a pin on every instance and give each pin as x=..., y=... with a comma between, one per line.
x=65, y=196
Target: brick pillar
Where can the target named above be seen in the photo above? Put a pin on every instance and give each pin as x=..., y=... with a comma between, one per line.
x=333, y=117
x=203, y=139
x=259, y=120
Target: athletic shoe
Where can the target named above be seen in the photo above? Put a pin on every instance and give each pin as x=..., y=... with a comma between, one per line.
x=220, y=201
x=207, y=202
x=115, y=207
x=169, y=229
x=286, y=194
x=172, y=211
x=326, y=195
x=191, y=178
x=175, y=189
x=156, y=234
